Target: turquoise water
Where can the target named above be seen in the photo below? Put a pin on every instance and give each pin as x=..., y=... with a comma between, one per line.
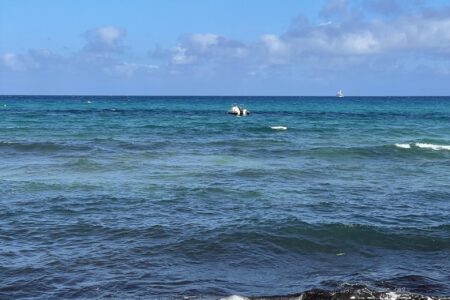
x=167, y=197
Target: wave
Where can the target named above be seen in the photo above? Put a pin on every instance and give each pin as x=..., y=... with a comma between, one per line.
x=128, y=145
x=87, y=145
x=279, y=127
x=432, y=146
x=266, y=238
x=258, y=147
x=288, y=148
x=85, y=164
x=284, y=148
x=303, y=238
x=41, y=146
x=424, y=146
x=375, y=151
x=404, y=146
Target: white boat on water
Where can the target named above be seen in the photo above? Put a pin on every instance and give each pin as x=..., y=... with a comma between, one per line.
x=340, y=94
x=238, y=110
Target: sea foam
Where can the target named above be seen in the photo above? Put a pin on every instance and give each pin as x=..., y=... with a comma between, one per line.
x=279, y=127
x=433, y=146
x=404, y=146
x=235, y=297
x=424, y=146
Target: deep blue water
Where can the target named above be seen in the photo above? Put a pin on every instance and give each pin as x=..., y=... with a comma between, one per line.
x=162, y=197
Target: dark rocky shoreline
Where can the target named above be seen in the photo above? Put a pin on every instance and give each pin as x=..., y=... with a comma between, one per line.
x=361, y=293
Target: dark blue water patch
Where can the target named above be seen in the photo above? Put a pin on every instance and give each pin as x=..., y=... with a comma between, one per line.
x=86, y=147
x=287, y=148
x=415, y=283
x=249, y=147
x=43, y=147
x=116, y=144
x=85, y=164
x=70, y=222
x=384, y=152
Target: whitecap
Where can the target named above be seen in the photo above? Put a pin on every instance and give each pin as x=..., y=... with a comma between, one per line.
x=404, y=146
x=278, y=127
x=432, y=146
x=390, y=296
x=235, y=297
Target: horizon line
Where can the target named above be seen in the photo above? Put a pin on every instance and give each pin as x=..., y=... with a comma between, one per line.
x=193, y=95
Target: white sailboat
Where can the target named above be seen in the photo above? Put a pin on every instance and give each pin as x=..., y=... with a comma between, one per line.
x=340, y=94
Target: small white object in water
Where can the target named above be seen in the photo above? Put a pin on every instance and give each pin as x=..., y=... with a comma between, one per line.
x=89, y=102
x=238, y=110
x=278, y=127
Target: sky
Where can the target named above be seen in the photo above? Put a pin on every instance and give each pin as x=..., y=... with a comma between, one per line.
x=225, y=47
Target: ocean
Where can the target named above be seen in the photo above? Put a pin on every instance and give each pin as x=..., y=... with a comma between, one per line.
x=171, y=197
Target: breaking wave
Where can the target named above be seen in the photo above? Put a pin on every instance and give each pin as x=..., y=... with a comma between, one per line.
x=423, y=146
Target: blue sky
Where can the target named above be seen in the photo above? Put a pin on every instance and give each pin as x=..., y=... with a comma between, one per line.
x=232, y=47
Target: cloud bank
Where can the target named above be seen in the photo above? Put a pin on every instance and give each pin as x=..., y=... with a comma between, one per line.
x=351, y=38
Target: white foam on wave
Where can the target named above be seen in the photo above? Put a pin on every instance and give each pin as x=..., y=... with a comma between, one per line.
x=404, y=146
x=235, y=297
x=390, y=296
x=432, y=146
x=424, y=146
x=395, y=296
x=278, y=127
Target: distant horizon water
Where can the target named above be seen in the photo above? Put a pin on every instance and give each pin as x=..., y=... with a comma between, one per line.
x=209, y=96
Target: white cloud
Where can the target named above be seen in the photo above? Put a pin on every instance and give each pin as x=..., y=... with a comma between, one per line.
x=204, y=41
x=12, y=62
x=357, y=39
x=179, y=56
x=32, y=60
x=274, y=44
x=202, y=48
x=424, y=34
x=359, y=43
x=105, y=39
x=109, y=34
x=334, y=7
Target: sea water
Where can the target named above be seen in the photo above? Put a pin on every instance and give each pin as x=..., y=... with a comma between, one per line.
x=167, y=197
